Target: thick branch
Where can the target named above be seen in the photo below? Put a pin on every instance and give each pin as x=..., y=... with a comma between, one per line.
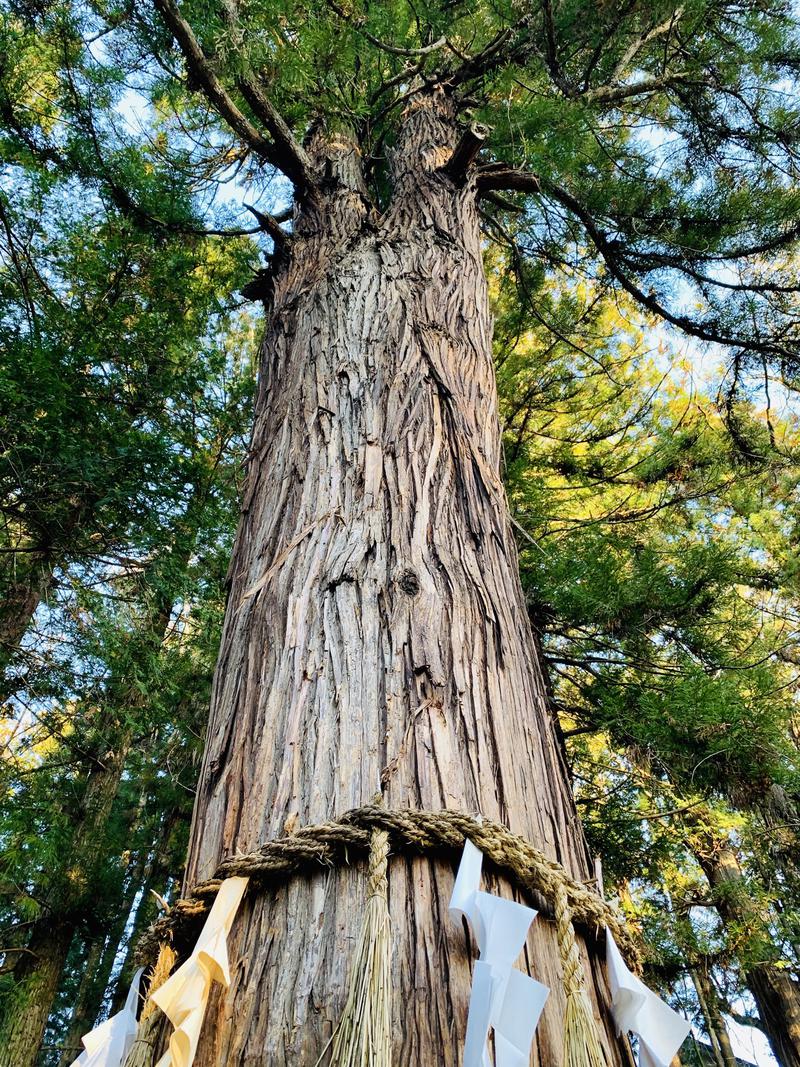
x=499, y=176
x=282, y=151
x=466, y=151
x=650, y=35
x=612, y=94
x=269, y=224
x=288, y=154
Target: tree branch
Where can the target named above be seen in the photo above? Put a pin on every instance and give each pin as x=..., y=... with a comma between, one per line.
x=282, y=151
x=499, y=176
x=288, y=154
x=270, y=225
x=704, y=332
x=465, y=153
x=650, y=35
x=611, y=94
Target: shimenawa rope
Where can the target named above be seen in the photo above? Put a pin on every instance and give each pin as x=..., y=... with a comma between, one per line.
x=362, y=1037
x=334, y=843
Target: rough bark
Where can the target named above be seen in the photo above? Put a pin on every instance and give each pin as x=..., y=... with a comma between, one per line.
x=775, y=991
x=376, y=638
x=27, y=1006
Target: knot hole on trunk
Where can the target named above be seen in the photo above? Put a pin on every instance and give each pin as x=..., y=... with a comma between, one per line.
x=409, y=582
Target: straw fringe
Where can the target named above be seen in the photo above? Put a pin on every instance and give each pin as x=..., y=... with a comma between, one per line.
x=582, y=1045
x=143, y=1050
x=161, y=971
x=363, y=1036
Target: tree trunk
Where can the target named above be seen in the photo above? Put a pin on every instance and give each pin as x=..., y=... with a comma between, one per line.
x=84, y=847
x=715, y=1023
x=98, y=967
x=155, y=875
x=22, y=590
x=25, y=1011
x=37, y=975
x=775, y=991
x=87, y=1003
x=376, y=638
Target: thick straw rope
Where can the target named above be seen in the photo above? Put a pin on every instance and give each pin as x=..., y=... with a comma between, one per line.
x=333, y=843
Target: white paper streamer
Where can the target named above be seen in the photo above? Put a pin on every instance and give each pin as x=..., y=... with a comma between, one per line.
x=636, y=1008
x=184, y=995
x=502, y=997
x=109, y=1043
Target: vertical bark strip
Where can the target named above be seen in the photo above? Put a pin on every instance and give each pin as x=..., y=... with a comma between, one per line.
x=376, y=638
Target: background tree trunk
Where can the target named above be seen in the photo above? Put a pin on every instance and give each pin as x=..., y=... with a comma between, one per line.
x=717, y=1031
x=376, y=639
x=36, y=979
x=37, y=973
x=776, y=993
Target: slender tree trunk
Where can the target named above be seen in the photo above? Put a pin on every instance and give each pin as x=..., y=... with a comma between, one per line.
x=715, y=1023
x=22, y=590
x=87, y=1003
x=154, y=876
x=376, y=638
x=775, y=991
x=98, y=967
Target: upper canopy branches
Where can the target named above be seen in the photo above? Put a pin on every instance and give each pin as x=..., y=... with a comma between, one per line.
x=654, y=145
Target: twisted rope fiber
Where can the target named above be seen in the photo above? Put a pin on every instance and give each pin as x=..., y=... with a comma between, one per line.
x=330, y=844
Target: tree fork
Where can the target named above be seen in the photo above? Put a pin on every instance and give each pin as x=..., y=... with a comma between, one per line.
x=376, y=638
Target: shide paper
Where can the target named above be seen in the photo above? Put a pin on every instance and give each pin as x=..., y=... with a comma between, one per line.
x=183, y=997
x=109, y=1044
x=636, y=1008
x=503, y=998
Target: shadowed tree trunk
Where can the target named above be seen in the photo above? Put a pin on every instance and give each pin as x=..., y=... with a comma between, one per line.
x=98, y=967
x=70, y=895
x=775, y=991
x=22, y=590
x=87, y=1002
x=38, y=971
x=37, y=976
x=715, y=1023
x=376, y=637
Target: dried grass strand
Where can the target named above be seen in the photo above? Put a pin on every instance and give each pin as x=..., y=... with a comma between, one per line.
x=363, y=1036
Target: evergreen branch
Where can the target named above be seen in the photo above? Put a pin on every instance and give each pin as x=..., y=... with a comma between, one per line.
x=282, y=151
x=708, y=332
